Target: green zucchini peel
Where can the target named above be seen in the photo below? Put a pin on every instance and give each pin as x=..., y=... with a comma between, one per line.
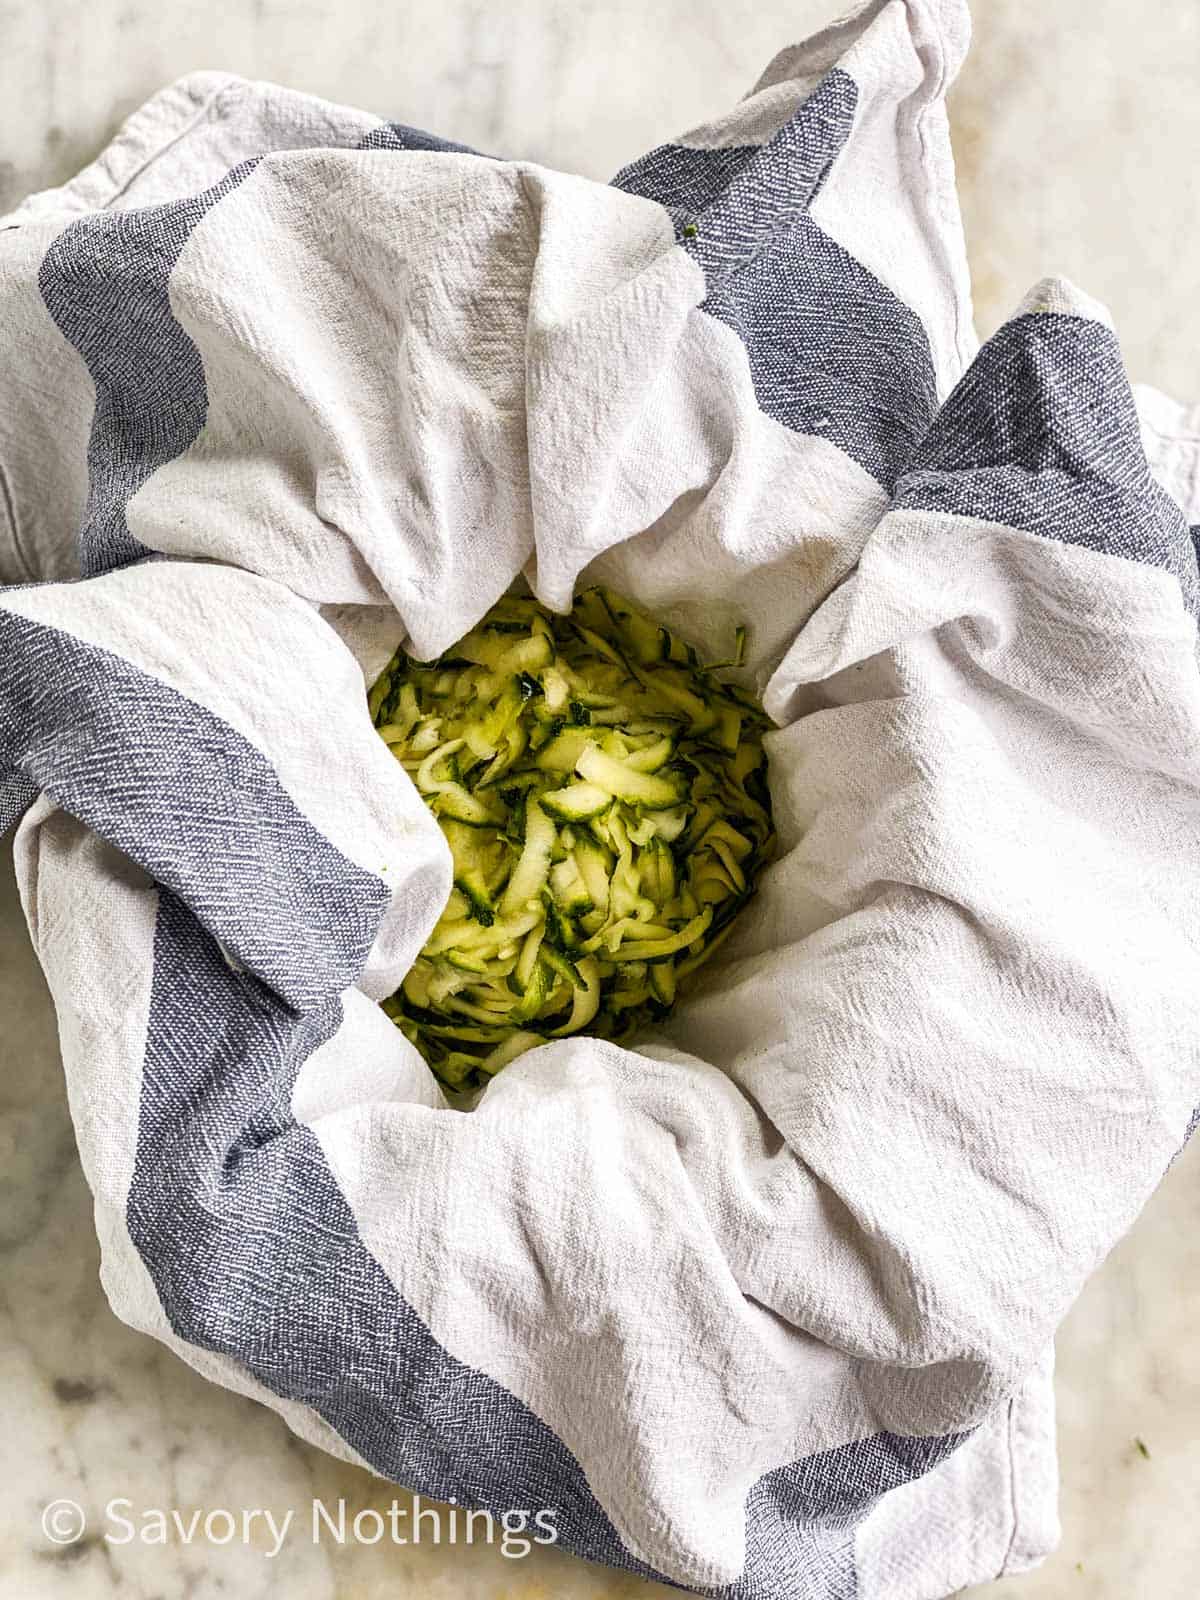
x=604, y=797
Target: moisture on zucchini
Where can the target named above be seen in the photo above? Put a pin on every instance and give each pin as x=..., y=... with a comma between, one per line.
x=604, y=797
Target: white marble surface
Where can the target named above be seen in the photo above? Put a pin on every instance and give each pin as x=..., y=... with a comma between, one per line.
x=1076, y=126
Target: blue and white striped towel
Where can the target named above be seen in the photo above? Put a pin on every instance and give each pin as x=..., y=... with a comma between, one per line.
x=767, y=1306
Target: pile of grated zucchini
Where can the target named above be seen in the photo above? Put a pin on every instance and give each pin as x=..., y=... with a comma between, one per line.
x=604, y=797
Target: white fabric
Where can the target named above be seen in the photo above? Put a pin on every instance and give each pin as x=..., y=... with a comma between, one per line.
x=857, y=1181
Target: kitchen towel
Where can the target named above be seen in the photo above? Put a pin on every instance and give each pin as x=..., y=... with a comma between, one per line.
x=764, y=1305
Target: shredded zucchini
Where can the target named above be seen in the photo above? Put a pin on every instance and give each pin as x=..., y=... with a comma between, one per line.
x=604, y=798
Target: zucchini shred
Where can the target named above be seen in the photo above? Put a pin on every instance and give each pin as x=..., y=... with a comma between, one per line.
x=604, y=798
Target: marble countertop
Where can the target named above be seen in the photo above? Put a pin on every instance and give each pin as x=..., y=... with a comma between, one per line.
x=1075, y=131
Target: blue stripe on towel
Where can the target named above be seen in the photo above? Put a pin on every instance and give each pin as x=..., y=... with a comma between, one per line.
x=399, y=136
x=189, y=799
x=826, y=1496
x=832, y=351
x=105, y=281
x=17, y=794
x=255, y=1255
x=252, y=1248
x=1042, y=434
